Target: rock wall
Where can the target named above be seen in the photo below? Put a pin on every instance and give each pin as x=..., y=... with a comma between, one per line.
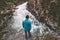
x=46, y=11
x=5, y=17
x=7, y=7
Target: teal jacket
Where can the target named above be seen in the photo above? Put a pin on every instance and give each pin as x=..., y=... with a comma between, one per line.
x=26, y=25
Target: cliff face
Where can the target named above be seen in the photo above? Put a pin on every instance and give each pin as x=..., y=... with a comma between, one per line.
x=5, y=17
x=46, y=11
x=7, y=7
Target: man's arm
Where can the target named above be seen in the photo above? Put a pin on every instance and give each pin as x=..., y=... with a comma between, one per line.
x=23, y=24
x=30, y=24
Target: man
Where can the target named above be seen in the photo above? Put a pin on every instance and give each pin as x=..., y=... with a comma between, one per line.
x=27, y=26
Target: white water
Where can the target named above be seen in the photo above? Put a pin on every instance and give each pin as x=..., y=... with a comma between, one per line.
x=19, y=16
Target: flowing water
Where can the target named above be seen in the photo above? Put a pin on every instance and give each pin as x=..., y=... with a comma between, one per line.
x=19, y=16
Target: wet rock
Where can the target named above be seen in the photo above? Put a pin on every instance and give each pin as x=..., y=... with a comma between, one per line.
x=46, y=11
x=4, y=19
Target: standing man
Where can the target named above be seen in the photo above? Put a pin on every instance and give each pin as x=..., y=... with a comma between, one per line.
x=27, y=26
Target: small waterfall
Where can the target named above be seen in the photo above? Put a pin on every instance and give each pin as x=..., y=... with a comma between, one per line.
x=19, y=16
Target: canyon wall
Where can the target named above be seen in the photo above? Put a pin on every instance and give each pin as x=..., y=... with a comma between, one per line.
x=46, y=11
x=7, y=7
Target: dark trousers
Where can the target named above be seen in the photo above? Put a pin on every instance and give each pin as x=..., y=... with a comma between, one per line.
x=26, y=35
